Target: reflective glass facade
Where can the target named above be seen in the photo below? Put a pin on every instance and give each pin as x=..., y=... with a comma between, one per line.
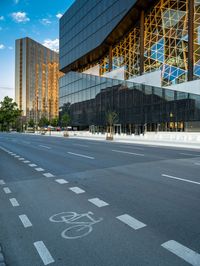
x=36, y=79
x=90, y=97
x=87, y=24
x=161, y=36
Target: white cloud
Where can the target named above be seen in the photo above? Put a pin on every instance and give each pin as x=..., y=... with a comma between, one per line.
x=52, y=44
x=20, y=17
x=45, y=21
x=10, y=47
x=2, y=47
x=1, y=17
x=59, y=15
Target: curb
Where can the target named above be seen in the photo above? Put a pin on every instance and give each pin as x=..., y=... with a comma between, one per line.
x=2, y=259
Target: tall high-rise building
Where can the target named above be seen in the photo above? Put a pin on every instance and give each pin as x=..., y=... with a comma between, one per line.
x=138, y=58
x=36, y=79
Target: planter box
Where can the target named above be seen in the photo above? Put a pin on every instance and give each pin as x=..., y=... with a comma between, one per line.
x=109, y=138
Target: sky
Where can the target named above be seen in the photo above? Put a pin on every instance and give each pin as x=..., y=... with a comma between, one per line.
x=37, y=19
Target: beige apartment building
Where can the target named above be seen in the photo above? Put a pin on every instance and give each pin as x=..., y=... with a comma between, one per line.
x=36, y=79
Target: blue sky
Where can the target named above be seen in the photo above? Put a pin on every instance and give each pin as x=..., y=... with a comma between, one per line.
x=37, y=19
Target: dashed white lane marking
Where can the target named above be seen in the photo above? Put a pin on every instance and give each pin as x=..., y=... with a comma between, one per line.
x=26, y=161
x=7, y=190
x=43, y=252
x=81, y=145
x=197, y=163
x=39, y=169
x=132, y=222
x=46, y=147
x=99, y=203
x=81, y=155
x=132, y=147
x=26, y=142
x=61, y=181
x=48, y=175
x=32, y=165
x=14, y=202
x=21, y=159
x=25, y=221
x=17, y=156
x=181, y=179
x=131, y=153
x=2, y=182
x=189, y=154
x=183, y=252
x=77, y=190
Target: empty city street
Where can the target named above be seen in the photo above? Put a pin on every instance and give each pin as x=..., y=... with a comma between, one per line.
x=69, y=201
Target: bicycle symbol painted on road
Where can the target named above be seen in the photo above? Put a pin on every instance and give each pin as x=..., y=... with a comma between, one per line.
x=78, y=227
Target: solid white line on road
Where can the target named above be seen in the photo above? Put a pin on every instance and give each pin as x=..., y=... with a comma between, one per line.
x=7, y=190
x=81, y=155
x=2, y=182
x=81, y=145
x=132, y=222
x=189, y=154
x=132, y=153
x=21, y=159
x=48, y=175
x=14, y=202
x=46, y=147
x=25, y=221
x=43, y=252
x=181, y=179
x=132, y=147
x=32, y=165
x=183, y=252
x=77, y=190
x=99, y=203
x=39, y=169
x=26, y=161
x=61, y=181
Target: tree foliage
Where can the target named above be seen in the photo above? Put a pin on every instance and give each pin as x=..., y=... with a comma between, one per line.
x=54, y=122
x=9, y=113
x=31, y=123
x=111, y=119
x=43, y=122
x=65, y=119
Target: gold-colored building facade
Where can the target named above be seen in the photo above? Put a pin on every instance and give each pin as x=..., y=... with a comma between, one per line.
x=36, y=80
x=165, y=43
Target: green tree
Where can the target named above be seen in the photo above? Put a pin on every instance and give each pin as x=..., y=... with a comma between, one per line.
x=31, y=123
x=43, y=122
x=54, y=122
x=65, y=119
x=111, y=119
x=9, y=113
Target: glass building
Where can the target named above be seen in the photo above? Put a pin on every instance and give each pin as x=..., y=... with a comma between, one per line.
x=140, y=59
x=36, y=79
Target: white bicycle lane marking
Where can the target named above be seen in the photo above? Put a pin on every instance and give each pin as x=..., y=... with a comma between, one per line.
x=80, y=225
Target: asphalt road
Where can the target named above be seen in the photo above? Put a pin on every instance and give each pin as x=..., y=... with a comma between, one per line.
x=116, y=204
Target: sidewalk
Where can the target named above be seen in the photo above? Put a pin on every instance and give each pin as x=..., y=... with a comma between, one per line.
x=168, y=139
